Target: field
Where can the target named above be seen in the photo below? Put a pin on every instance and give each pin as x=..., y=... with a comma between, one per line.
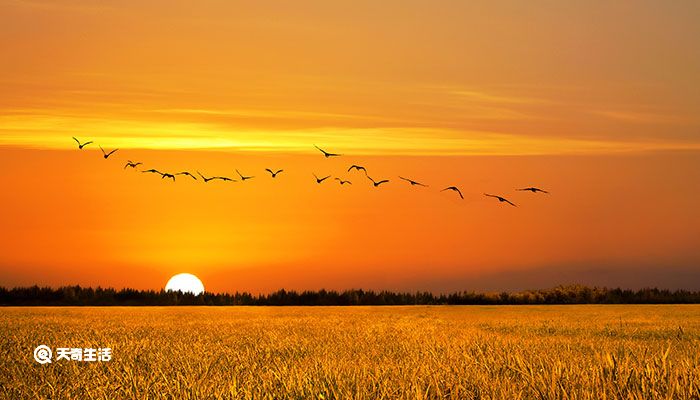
x=499, y=352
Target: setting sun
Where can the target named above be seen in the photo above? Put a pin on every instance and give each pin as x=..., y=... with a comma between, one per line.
x=185, y=283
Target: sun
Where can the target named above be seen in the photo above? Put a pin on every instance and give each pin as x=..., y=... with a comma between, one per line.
x=186, y=283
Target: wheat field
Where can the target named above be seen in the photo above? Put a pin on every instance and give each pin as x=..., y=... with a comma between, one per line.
x=446, y=352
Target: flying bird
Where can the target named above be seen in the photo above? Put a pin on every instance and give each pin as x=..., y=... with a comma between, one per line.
x=500, y=199
x=357, y=167
x=132, y=164
x=319, y=180
x=377, y=183
x=153, y=171
x=204, y=178
x=342, y=182
x=325, y=153
x=81, y=145
x=223, y=178
x=244, y=178
x=454, y=188
x=412, y=182
x=167, y=175
x=187, y=173
x=105, y=154
x=274, y=174
x=533, y=190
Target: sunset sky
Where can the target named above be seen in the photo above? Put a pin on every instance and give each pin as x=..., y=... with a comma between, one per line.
x=597, y=102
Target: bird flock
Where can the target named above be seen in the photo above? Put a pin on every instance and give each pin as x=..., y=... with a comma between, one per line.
x=275, y=173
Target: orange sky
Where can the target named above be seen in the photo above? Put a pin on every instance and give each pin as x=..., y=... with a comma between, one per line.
x=597, y=102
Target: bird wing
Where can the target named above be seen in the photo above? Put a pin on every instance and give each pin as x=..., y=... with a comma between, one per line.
x=269, y=170
x=321, y=150
x=382, y=181
x=506, y=200
x=78, y=141
x=111, y=152
x=103, y=150
x=460, y=193
x=278, y=171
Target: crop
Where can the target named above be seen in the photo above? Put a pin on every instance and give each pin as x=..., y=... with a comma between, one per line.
x=421, y=352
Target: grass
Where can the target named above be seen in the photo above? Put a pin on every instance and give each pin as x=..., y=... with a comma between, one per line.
x=469, y=352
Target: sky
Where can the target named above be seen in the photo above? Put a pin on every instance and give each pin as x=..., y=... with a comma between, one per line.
x=596, y=102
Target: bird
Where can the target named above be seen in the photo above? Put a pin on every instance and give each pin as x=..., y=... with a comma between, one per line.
x=320, y=180
x=342, y=182
x=456, y=189
x=244, y=178
x=377, y=183
x=223, y=178
x=81, y=145
x=187, y=173
x=500, y=199
x=105, y=154
x=167, y=175
x=204, y=178
x=357, y=167
x=274, y=174
x=153, y=171
x=132, y=164
x=325, y=153
x=412, y=182
x=533, y=190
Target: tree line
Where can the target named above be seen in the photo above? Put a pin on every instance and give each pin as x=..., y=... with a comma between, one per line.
x=571, y=294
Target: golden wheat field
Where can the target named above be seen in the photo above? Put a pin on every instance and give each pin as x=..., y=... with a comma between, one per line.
x=450, y=352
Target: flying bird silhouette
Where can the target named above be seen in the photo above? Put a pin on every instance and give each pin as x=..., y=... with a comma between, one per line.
x=377, y=183
x=187, y=173
x=533, y=190
x=320, y=180
x=204, y=178
x=357, y=167
x=153, y=171
x=167, y=175
x=223, y=178
x=342, y=182
x=132, y=164
x=500, y=199
x=412, y=182
x=274, y=174
x=454, y=188
x=327, y=154
x=106, y=155
x=81, y=145
x=244, y=178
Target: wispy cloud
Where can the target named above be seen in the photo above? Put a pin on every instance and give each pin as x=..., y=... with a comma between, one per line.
x=55, y=131
x=641, y=117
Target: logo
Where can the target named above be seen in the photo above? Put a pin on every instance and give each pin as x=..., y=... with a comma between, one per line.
x=43, y=354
